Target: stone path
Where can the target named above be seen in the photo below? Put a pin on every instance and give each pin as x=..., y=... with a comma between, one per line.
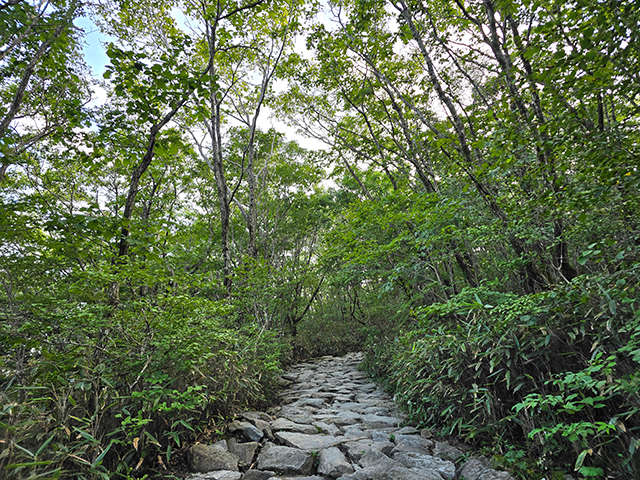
x=334, y=423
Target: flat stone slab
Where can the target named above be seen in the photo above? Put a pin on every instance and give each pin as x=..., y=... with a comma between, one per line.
x=218, y=475
x=282, y=424
x=445, y=468
x=311, y=443
x=355, y=450
x=333, y=463
x=208, y=458
x=285, y=459
x=380, y=421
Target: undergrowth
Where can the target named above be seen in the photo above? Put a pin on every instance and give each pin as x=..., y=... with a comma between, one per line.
x=548, y=382
x=91, y=392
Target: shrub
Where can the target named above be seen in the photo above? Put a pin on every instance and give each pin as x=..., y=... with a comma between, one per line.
x=90, y=392
x=554, y=373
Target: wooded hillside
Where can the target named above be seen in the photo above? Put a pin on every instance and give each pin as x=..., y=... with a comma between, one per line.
x=471, y=223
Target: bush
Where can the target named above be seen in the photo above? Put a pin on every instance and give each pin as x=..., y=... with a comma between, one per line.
x=554, y=373
x=90, y=392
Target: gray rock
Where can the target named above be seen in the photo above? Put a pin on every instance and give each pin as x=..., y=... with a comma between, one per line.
x=282, y=424
x=244, y=451
x=447, y=452
x=221, y=444
x=257, y=475
x=253, y=416
x=402, y=473
x=407, y=431
x=354, y=431
x=249, y=431
x=265, y=427
x=355, y=450
x=473, y=468
x=334, y=463
x=362, y=474
x=219, y=475
x=341, y=421
x=312, y=477
x=305, y=418
x=327, y=428
x=285, y=459
x=310, y=402
x=207, y=458
x=380, y=467
x=381, y=435
x=426, y=433
x=377, y=460
x=380, y=421
x=445, y=468
x=311, y=443
x=413, y=444
x=350, y=415
x=494, y=475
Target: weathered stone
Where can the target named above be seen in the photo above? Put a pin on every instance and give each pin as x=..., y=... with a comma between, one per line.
x=407, y=431
x=334, y=463
x=207, y=458
x=305, y=418
x=354, y=431
x=373, y=458
x=327, y=428
x=244, y=451
x=381, y=467
x=257, y=475
x=339, y=421
x=221, y=444
x=285, y=459
x=362, y=474
x=402, y=473
x=380, y=421
x=494, y=475
x=310, y=402
x=282, y=424
x=219, y=475
x=383, y=435
x=311, y=477
x=253, y=416
x=265, y=427
x=445, y=468
x=355, y=450
x=412, y=443
x=473, y=468
x=249, y=431
x=311, y=443
x=447, y=452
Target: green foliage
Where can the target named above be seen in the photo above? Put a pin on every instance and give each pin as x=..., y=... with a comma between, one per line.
x=87, y=389
x=560, y=367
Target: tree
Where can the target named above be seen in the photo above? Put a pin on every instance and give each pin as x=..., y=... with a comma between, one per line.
x=44, y=87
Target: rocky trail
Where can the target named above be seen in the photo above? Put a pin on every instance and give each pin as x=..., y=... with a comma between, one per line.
x=334, y=422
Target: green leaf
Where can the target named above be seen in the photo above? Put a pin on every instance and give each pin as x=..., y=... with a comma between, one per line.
x=591, y=471
x=580, y=459
x=99, y=458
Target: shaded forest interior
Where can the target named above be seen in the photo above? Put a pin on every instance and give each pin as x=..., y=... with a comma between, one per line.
x=460, y=202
